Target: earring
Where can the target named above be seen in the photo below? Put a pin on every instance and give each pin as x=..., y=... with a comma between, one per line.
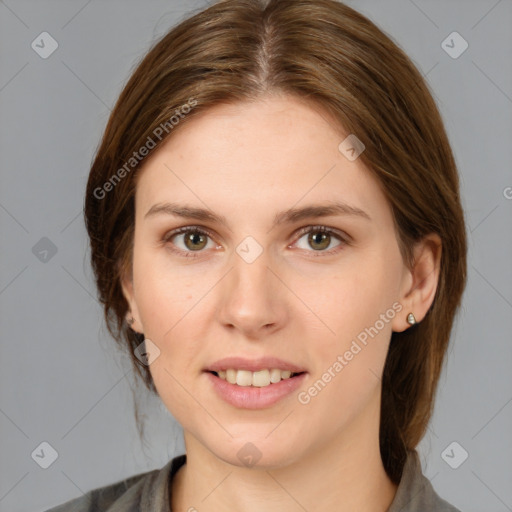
x=130, y=320
x=411, y=320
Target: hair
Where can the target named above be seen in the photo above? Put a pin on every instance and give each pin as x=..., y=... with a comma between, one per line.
x=328, y=54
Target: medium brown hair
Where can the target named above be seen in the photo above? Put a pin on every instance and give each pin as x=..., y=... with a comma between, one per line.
x=326, y=53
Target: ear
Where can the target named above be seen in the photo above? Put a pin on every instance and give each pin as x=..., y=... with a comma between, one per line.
x=419, y=284
x=128, y=292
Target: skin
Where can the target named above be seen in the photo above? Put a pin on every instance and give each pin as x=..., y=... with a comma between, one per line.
x=295, y=301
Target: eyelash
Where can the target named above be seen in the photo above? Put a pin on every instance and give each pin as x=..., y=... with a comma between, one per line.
x=299, y=234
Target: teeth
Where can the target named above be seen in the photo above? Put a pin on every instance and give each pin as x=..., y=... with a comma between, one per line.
x=258, y=379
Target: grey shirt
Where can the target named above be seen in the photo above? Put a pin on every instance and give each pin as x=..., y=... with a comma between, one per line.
x=149, y=492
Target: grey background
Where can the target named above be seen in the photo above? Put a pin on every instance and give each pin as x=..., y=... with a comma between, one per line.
x=63, y=381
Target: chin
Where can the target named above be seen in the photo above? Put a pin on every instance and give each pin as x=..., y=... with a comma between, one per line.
x=259, y=452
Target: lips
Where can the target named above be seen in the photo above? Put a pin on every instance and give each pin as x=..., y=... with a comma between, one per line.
x=253, y=365
x=249, y=397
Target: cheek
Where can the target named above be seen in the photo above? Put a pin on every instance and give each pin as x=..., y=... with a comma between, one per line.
x=354, y=296
x=357, y=305
x=171, y=312
x=349, y=364
x=163, y=293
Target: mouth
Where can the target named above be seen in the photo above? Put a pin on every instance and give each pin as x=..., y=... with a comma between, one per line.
x=244, y=389
x=260, y=379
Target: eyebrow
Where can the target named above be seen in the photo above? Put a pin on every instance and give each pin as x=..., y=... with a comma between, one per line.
x=287, y=216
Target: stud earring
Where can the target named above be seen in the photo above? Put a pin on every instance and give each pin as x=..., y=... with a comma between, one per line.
x=411, y=320
x=130, y=320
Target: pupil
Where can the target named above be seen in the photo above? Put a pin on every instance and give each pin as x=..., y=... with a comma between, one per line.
x=323, y=238
x=195, y=238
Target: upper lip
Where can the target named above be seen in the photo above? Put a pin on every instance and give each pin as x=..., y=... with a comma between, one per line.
x=253, y=365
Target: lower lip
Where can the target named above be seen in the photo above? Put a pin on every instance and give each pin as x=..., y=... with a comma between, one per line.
x=251, y=397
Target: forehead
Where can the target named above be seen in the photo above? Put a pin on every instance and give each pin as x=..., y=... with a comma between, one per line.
x=266, y=155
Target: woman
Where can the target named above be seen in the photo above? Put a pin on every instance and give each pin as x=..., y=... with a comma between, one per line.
x=278, y=240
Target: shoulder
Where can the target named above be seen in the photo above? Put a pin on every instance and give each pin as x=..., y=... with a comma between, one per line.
x=104, y=497
x=415, y=492
x=121, y=496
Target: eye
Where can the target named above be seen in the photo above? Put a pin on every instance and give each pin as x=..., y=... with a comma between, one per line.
x=320, y=238
x=194, y=239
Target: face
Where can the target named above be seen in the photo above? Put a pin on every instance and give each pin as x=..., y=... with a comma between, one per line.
x=251, y=287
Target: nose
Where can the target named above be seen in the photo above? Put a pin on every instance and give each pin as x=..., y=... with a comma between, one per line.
x=253, y=298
